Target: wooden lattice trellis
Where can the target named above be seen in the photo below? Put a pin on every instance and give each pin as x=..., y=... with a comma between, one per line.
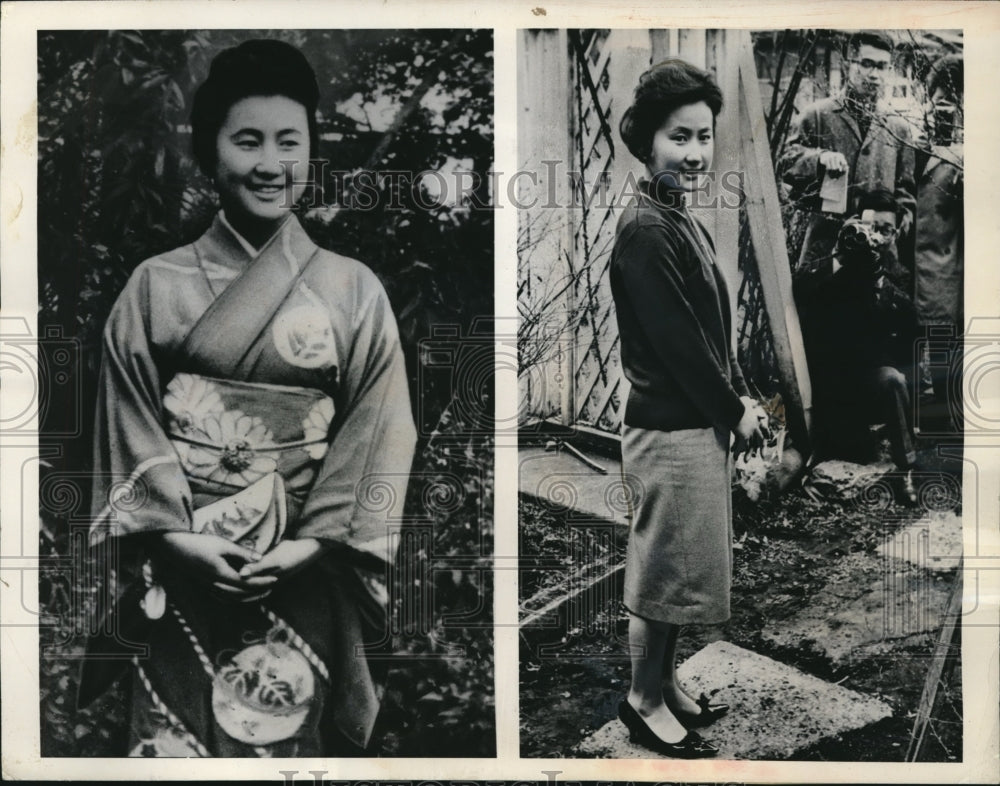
x=580, y=382
x=597, y=374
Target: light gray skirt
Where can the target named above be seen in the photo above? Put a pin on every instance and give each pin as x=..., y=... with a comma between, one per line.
x=679, y=563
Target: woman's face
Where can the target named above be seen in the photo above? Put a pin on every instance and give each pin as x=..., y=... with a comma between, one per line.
x=263, y=162
x=683, y=146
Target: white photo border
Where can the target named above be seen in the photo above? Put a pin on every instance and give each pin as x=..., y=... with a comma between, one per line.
x=19, y=191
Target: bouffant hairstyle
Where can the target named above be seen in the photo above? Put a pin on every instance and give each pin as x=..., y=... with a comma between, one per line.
x=947, y=75
x=254, y=68
x=871, y=38
x=663, y=89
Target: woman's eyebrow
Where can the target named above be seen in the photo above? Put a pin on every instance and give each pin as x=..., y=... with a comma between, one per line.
x=686, y=130
x=257, y=132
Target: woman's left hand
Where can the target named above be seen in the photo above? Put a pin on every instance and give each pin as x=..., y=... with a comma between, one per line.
x=284, y=559
x=752, y=431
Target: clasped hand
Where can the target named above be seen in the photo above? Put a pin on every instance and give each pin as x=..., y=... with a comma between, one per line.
x=235, y=571
x=752, y=429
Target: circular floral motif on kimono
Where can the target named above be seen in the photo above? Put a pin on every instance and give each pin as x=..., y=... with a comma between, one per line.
x=316, y=428
x=263, y=695
x=190, y=399
x=237, y=455
x=303, y=337
x=166, y=742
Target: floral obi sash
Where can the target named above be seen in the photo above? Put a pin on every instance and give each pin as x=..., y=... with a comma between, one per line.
x=250, y=452
x=231, y=435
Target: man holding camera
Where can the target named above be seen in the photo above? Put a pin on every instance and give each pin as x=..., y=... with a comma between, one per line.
x=859, y=329
x=845, y=145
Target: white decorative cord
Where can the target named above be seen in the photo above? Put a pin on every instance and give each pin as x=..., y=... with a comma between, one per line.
x=202, y=655
x=294, y=638
x=206, y=663
x=301, y=644
x=165, y=711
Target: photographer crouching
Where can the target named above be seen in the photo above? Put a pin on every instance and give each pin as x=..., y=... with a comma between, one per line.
x=859, y=330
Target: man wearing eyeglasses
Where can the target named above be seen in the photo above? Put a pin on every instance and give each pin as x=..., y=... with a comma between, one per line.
x=848, y=143
x=858, y=328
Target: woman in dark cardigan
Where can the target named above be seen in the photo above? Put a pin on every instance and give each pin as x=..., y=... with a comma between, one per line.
x=687, y=398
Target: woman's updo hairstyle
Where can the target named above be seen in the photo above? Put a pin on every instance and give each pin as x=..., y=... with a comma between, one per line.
x=662, y=89
x=254, y=68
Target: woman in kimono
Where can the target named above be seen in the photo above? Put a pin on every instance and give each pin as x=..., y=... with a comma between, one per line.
x=687, y=398
x=253, y=444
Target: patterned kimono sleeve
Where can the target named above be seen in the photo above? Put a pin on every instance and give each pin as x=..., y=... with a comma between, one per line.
x=360, y=488
x=138, y=483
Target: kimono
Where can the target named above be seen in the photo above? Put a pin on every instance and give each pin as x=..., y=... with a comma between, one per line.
x=256, y=396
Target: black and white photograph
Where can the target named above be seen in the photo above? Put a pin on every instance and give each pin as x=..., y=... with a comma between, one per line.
x=266, y=484
x=740, y=282
x=442, y=392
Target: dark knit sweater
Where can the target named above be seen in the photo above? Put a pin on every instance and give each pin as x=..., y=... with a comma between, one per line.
x=673, y=319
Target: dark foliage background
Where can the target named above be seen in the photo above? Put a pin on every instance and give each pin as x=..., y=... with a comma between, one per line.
x=117, y=184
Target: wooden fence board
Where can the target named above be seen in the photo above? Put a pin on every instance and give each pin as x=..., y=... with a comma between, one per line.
x=768, y=234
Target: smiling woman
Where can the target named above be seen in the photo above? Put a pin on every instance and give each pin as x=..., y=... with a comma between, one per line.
x=253, y=130
x=683, y=146
x=252, y=387
x=262, y=147
x=687, y=397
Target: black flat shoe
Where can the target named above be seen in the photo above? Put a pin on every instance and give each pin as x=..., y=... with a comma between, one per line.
x=707, y=713
x=691, y=747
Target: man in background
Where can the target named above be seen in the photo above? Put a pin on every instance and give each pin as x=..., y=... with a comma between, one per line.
x=859, y=330
x=940, y=244
x=845, y=145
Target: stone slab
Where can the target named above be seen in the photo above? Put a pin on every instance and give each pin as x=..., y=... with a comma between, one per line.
x=932, y=543
x=842, y=481
x=776, y=709
x=562, y=480
x=871, y=609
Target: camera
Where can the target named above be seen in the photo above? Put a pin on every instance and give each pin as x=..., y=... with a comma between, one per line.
x=857, y=246
x=943, y=120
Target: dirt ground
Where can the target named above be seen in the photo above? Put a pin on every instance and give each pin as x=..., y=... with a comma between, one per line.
x=573, y=675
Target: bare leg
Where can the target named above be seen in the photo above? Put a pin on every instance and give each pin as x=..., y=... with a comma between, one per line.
x=648, y=645
x=673, y=693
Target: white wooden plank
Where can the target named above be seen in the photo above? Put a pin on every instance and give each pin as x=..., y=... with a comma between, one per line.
x=727, y=160
x=764, y=217
x=544, y=87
